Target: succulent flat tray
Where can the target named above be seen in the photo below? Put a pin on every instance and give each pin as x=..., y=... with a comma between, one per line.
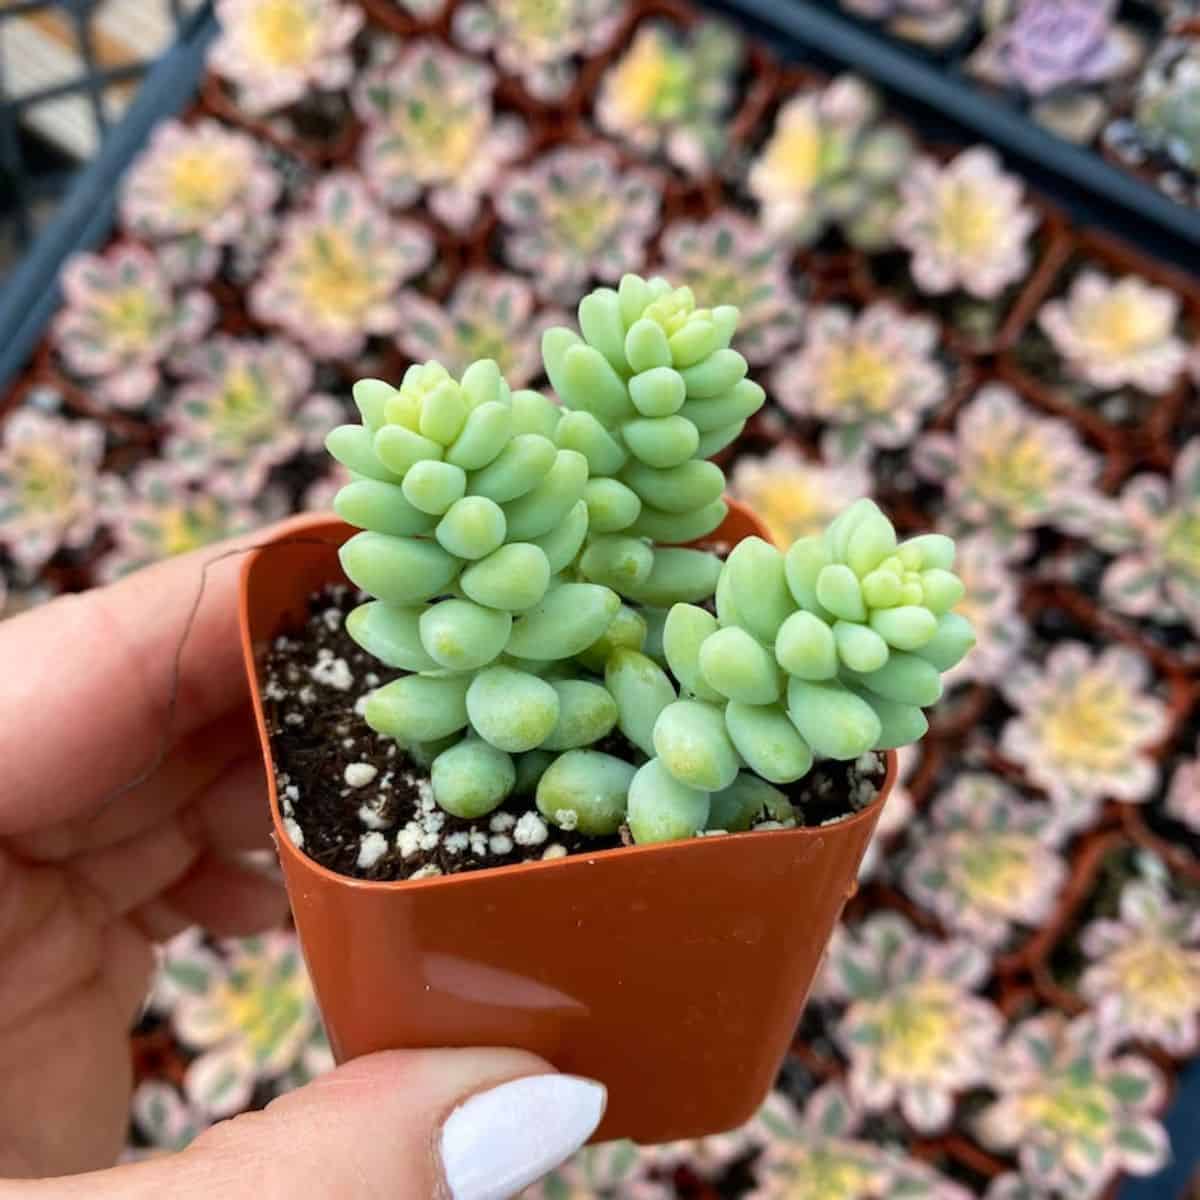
x=1024, y=947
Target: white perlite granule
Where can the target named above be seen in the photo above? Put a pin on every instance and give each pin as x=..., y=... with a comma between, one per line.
x=359, y=774
x=500, y=843
x=554, y=851
x=456, y=843
x=372, y=818
x=333, y=619
x=426, y=872
x=332, y=672
x=371, y=848
x=566, y=818
x=530, y=830
x=294, y=832
x=408, y=840
x=360, y=705
x=502, y=822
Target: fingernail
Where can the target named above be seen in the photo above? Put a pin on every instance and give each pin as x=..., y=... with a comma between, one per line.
x=502, y=1140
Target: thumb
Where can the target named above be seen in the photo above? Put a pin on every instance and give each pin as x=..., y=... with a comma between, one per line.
x=418, y=1125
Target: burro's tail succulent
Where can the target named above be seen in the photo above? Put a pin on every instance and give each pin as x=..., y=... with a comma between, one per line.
x=527, y=572
x=829, y=650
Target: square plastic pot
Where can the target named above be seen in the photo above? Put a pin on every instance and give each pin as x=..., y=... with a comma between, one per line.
x=673, y=973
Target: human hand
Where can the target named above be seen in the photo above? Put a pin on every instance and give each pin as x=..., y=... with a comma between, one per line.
x=93, y=873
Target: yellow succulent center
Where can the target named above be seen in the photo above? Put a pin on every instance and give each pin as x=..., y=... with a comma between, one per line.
x=244, y=406
x=860, y=379
x=1121, y=323
x=789, y=504
x=284, y=33
x=130, y=316
x=968, y=223
x=651, y=81
x=446, y=138
x=262, y=1008
x=1073, y=1108
x=587, y=220
x=47, y=482
x=182, y=529
x=335, y=279
x=1011, y=474
x=1162, y=976
x=673, y=311
x=795, y=153
x=827, y=1175
x=542, y=20
x=201, y=183
x=1086, y=724
x=919, y=1029
x=997, y=868
x=1181, y=546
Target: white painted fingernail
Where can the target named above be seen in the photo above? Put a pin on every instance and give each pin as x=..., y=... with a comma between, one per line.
x=502, y=1140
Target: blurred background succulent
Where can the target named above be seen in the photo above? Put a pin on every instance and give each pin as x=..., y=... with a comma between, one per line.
x=333, y=279
x=1117, y=332
x=489, y=314
x=574, y=215
x=965, y=224
x=869, y=377
x=245, y=407
x=933, y=23
x=49, y=476
x=1084, y=727
x=1055, y=52
x=158, y=511
x=914, y=1030
x=431, y=129
x=989, y=861
x=1154, y=529
x=728, y=255
x=1008, y=469
x=671, y=93
x=275, y=52
x=991, y=602
x=1183, y=795
x=203, y=183
x=1166, y=116
x=120, y=319
x=831, y=163
x=1143, y=975
x=539, y=43
x=1072, y=1112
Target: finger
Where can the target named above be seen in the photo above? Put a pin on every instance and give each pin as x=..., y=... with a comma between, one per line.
x=91, y=682
x=227, y=899
x=469, y=1124
x=232, y=815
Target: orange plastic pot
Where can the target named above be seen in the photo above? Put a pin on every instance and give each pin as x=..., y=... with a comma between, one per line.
x=674, y=973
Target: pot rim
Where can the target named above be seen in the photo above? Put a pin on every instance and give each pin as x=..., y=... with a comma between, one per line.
x=300, y=526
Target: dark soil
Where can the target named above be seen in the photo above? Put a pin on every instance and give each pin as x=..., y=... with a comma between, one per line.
x=357, y=804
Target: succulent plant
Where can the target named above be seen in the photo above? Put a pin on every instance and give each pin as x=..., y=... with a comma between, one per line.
x=831, y=163
x=1183, y=796
x=991, y=604
x=830, y=649
x=933, y=23
x=526, y=565
x=965, y=225
x=1166, y=118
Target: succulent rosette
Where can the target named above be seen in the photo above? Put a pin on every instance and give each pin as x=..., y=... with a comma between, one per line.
x=1115, y=333
x=121, y=319
x=275, y=52
x=1183, y=795
x=49, y=485
x=431, y=128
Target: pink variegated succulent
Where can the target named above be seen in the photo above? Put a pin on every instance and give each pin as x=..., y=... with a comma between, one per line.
x=988, y=861
x=871, y=377
x=245, y=408
x=1154, y=528
x=276, y=52
x=991, y=604
x=575, y=215
x=1144, y=977
x=488, y=315
x=794, y=496
x=1009, y=469
x=1183, y=796
x=671, y=92
x=333, y=280
x=1116, y=333
x=914, y=1031
x=203, y=181
x=48, y=485
x=431, y=129
x=121, y=318
x=246, y=1006
x=730, y=256
x=1073, y=1113
x=158, y=511
x=897, y=812
x=162, y=1115
x=539, y=42
x=608, y=1171
x=965, y=225
x=1084, y=727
